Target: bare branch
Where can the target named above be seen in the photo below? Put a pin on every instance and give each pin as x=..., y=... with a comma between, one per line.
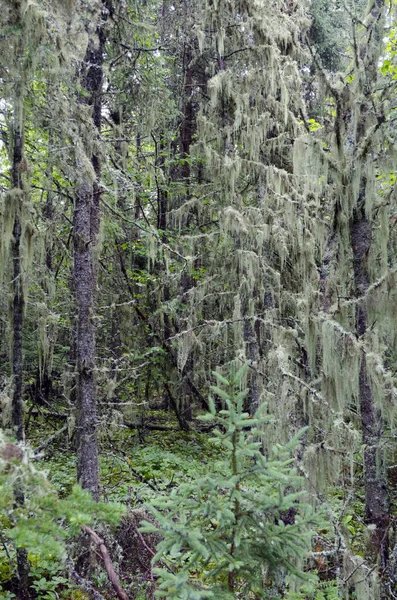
x=113, y=578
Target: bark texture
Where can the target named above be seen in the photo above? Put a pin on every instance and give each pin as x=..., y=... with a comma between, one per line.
x=85, y=285
x=85, y=236
x=17, y=188
x=377, y=505
x=18, y=300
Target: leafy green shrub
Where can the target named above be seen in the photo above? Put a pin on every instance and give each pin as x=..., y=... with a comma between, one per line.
x=226, y=533
x=324, y=590
x=43, y=523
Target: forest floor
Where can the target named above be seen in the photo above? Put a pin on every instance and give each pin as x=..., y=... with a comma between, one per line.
x=149, y=456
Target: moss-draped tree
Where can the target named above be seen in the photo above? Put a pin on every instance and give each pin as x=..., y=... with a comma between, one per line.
x=86, y=225
x=218, y=183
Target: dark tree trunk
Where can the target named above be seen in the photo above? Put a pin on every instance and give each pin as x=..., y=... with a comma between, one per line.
x=18, y=300
x=188, y=127
x=251, y=350
x=17, y=413
x=252, y=354
x=356, y=147
x=85, y=236
x=44, y=381
x=377, y=507
x=85, y=286
x=188, y=121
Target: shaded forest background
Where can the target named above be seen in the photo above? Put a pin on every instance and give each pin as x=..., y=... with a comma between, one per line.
x=188, y=187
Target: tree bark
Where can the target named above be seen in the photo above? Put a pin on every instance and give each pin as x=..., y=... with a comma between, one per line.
x=189, y=121
x=377, y=508
x=162, y=208
x=18, y=299
x=17, y=310
x=251, y=351
x=85, y=237
x=85, y=286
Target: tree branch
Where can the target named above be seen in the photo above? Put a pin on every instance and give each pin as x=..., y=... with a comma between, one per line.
x=113, y=578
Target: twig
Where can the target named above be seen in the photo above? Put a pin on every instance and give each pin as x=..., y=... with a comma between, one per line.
x=362, y=564
x=85, y=585
x=113, y=578
x=150, y=427
x=148, y=548
x=304, y=384
x=48, y=441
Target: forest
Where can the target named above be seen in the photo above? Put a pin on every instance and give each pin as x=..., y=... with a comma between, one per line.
x=198, y=299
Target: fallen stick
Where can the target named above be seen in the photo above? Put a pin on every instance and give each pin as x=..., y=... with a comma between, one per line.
x=114, y=580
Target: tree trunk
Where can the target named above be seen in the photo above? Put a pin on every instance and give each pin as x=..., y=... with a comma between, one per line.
x=17, y=417
x=356, y=124
x=17, y=413
x=85, y=285
x=85, y=236
x=251, y=350
x=375, y=482
x=162, y=211
x=377, y=506
x=188, y=122
x=18, y=300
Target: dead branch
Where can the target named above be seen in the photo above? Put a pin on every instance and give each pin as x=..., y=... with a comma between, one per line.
x=150, y=427
x=113, y=578
x=85, y=585
x=48, y=441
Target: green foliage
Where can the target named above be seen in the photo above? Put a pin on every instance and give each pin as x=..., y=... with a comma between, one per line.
x=6, y=594
x=326, y=590
x=141, y=470
x=45, y=589
x=314, y=125
x=224, y=534
x=47, y=575
x=62, y=472
x=330, y=30
x=34, y=517
x=388, y=65
x=39, y=524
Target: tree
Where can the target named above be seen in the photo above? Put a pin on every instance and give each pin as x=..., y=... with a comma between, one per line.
x=217, y=179
x=25, y=25
x=228, y=533
x=86, y=223
x=355, y=269
x=44, y=523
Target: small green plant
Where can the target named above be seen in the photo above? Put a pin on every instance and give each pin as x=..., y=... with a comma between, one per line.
x=321, y=590
x=5, y=594
x=226, y=533
x=45, y=589
x=43, y=522
x=47, y=574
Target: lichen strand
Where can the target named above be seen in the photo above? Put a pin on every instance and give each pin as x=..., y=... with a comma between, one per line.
x=283, y=240
x=267, y=245
x=16, y=205
x=341, y=365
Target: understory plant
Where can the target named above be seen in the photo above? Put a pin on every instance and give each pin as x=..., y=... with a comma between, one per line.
x=241, y=531
x=34, y=518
